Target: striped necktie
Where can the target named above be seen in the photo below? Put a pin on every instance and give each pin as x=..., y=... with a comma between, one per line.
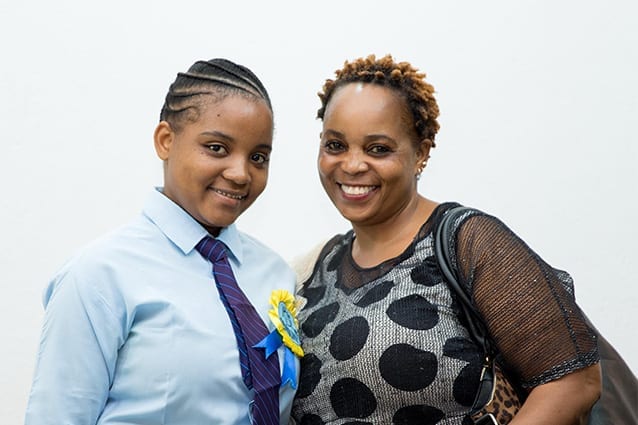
x=258, y=372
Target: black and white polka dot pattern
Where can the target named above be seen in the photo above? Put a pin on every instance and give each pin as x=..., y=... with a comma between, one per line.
x=391, y=351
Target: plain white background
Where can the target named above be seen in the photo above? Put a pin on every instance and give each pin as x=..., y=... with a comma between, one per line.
x=538, y=126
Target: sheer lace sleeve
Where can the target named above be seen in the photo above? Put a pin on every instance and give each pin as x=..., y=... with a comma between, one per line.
x=528, y=306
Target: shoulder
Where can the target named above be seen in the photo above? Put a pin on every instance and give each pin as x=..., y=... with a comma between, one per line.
x=472, y=232
x=468, y=219
x=95, y=267
x=305, y=263
x=115, y=245
x=473, y=222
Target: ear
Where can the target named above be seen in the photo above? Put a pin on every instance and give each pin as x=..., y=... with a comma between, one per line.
x=423, y=153
x=163, y=137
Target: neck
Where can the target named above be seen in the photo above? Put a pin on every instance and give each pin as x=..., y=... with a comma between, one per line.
x=375, y=243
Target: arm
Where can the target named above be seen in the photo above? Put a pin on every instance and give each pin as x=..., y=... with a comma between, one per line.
x=76, y=357
x=566, y=400
x=533, y=318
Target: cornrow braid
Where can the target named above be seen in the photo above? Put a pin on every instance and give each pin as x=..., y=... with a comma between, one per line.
x=216, y=77
x=402, y=77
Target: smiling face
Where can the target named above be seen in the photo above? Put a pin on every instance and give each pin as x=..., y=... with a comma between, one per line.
x=369, y=154
x=215, y=167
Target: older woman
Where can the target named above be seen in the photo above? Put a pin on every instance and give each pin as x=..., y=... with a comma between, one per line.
x=383, y=335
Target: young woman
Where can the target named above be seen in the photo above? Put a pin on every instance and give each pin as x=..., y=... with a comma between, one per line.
x=384, y=338
x=137, y=330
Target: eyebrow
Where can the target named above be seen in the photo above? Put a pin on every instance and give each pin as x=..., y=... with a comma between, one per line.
x=334, y=133
x=231, y=139
x=371, y=137
x=216, y=133
x=367, y=138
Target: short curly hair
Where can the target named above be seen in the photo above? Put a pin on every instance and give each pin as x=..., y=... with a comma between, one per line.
x=402, y=77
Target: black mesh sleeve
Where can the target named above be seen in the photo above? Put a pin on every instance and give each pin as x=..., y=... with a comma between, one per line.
x=528, y=306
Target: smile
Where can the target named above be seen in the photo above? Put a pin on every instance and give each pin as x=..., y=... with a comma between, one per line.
x=230, y=194
x=356, y=190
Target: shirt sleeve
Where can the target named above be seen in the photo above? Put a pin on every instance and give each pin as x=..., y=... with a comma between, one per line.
x=529, y=307
x=77, y=354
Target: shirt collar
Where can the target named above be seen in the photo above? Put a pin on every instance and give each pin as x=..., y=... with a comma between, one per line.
x=182, y=229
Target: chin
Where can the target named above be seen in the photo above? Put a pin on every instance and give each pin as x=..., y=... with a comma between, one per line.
x=354, y=218
x=217, y=223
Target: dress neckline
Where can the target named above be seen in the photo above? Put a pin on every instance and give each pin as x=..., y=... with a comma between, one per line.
x=352, y=269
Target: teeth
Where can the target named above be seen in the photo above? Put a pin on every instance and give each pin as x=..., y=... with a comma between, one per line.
x=229, y=195
x=356, y=190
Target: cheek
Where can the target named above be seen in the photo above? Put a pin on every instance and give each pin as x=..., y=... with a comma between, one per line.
x=325, y=164
x=260, y=180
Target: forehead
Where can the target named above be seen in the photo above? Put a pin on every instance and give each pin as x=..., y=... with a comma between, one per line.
x=233, y=104
x=236, y=116
x=218, y=94
x=366, y=97
x=366, y=103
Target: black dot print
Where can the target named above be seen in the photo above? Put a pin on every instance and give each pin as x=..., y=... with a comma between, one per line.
x=466, y=383
x=460, y=348
x=313, y=295
x=310, y=375
x=376, y=294
x=417, y=415
x=317, y=321
x=335, y=261
x=426, y=273
x=351, y=398
x=349, y=338
x=413, y=312
x=408, y=368
x=311, y=420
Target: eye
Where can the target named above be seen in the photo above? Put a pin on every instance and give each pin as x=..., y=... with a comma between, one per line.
x=379, y=150
x=259, y=158
x=217, y=149
x=334, y=146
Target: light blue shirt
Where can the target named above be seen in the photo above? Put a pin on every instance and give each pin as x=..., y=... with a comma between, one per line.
x=135, y=333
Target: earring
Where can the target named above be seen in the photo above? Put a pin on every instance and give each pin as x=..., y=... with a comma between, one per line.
x=421, y=168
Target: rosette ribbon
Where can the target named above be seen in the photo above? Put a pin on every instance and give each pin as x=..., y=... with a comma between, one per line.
x=284, y=316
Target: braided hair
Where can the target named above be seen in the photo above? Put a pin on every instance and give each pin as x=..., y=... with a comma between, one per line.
x=401, y=77
x=216, y=77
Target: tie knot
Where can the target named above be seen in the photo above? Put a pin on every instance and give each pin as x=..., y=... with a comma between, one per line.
x=212, y=249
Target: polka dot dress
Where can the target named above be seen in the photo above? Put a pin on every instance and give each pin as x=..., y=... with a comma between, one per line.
x=391, y=350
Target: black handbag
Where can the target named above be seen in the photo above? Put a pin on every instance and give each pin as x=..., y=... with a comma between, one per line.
x=618, y=403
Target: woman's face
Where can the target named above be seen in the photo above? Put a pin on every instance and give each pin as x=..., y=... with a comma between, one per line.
x=368, y=159
x=215, y=167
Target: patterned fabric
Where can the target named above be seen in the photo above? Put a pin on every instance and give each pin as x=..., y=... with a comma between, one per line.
x=385, y=345
x=258, y=372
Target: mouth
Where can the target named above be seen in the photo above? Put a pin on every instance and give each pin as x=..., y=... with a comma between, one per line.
x=357, y=190
x=231, y=195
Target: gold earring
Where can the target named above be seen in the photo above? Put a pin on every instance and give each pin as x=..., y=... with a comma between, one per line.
x=421, y=168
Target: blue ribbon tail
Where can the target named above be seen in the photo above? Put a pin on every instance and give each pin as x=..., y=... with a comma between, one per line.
x=288, y=374
x=271, y=343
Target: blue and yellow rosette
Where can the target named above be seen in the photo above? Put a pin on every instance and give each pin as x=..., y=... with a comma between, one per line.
x=284, y=316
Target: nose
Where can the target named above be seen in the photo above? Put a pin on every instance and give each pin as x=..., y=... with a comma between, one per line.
x=354, y=162
x=236, y=171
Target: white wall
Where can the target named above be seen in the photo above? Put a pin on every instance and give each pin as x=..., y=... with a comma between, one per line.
x=538, y=114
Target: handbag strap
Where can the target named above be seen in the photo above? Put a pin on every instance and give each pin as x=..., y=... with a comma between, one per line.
x=476, y=325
